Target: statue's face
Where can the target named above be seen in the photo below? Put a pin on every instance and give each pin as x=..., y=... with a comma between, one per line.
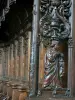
x=55, y=45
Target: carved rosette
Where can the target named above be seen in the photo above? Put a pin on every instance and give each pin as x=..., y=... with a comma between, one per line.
x=54, y=20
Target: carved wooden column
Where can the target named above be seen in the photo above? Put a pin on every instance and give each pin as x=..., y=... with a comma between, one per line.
x=25, y=50
x=34, y=60
x=9, y=70
x=4, y=62
x=72, y=68
x=1, y=69
x=1, y=50
x=21, y=40
x=27, y=42
x=24, y=57
x=11, y=59
x=16, y=58
x=70, y=61
x=29, y=47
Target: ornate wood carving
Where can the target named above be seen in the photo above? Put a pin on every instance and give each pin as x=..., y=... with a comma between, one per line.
x=54, y=66
x=54, y=20
x=54, y=25
x=6, y=9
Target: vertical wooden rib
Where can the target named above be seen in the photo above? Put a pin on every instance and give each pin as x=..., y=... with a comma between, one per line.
x=0, y=63
x=8, y=61
x=26, y=57
x=12, y=60
x=21, y=58
x=16, y=58
x=29, y=45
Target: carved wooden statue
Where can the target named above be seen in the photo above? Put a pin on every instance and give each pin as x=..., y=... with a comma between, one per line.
x=55, y=25
x=54, y=66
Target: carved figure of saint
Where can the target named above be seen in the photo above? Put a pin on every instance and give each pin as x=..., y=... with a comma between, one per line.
x=54, y=66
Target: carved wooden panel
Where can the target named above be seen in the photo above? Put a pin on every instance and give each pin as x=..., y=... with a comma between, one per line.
x=41, y=63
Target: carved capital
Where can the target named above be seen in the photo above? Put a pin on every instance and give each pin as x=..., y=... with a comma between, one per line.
x=70, y=43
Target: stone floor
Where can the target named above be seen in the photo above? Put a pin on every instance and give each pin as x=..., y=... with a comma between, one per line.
x=52, y=99
x=47, y=95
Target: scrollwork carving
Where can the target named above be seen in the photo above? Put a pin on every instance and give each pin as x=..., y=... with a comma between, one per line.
x=54, y=20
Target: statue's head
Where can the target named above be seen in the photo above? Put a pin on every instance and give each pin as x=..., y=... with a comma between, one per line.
x=55, y=44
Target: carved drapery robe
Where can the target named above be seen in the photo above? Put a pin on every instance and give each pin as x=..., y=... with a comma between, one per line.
x=54, y=68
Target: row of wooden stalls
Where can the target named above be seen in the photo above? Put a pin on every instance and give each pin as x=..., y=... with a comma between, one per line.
x=14, y=68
